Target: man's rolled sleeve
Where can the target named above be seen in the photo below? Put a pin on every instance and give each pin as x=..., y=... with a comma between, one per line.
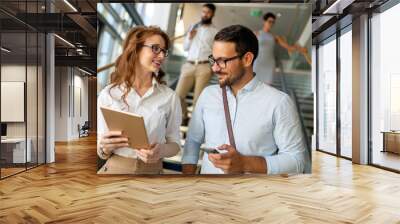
x=187, y=42
x=289, y=139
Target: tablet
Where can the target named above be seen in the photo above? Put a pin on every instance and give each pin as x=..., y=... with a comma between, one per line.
x=132, y=125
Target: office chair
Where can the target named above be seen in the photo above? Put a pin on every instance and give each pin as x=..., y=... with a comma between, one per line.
x=84, y=130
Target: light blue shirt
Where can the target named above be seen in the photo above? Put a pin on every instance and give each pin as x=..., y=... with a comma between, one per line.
x=265, y=123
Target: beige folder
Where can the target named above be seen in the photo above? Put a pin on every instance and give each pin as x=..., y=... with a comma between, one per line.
x=130, y=124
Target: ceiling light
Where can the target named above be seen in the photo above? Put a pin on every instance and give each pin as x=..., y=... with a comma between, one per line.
x=338, y=6
x=70, y=5
x=5, y=50
x=65, y=41
x=331, y=7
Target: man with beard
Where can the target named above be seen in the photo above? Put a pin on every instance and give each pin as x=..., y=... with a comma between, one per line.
x=265, y=125
x=196, y=71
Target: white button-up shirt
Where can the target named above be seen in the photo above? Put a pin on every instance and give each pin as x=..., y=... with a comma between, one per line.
x=265, y=123
x=159, y=106
x=200, y=47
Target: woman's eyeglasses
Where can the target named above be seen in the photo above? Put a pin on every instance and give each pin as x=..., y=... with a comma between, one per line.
x=156, y=49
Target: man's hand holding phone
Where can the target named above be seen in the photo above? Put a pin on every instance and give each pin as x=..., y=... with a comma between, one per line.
x=231, y=162
x=209, y=150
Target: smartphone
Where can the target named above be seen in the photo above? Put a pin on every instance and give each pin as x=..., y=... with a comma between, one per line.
x=210, y=150
x=197, y=25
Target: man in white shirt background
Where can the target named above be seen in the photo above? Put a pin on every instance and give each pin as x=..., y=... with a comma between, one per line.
x=196, y=71
x=265, y=123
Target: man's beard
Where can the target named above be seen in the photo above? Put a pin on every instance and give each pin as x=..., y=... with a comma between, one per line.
x=206, y=21
x=233, y=79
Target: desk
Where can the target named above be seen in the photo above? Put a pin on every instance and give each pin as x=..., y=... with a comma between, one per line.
x=13, y=150
x=391, y=141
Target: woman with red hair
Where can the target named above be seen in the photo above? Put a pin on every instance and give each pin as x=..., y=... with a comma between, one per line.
x=137, y=87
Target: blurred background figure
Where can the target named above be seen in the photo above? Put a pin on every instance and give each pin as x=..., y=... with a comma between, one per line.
x=265, y=63
x=196, y=71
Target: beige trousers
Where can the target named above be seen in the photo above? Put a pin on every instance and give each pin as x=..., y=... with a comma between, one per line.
x=192, y=75
x=121, y=165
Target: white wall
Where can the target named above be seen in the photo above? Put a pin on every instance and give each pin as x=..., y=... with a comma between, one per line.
x=71, y=94
x=385, y=77
x=80, y=100
x=61, y=103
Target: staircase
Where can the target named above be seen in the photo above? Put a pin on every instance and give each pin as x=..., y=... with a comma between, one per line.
x=300, y=83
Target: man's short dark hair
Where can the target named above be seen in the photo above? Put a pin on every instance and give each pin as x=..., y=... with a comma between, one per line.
x=245, y=40
x=269, y=15
x=210, y=6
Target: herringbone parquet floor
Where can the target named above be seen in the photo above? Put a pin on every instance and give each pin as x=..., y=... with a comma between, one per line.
x=69, y=191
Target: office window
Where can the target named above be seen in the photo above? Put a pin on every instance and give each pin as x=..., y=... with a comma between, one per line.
x=179, y=31
x=108, y=51
x=314, y=90
x=105, y=47
x=22, y=94
x=116, y=23
x=385, y=88
x=14, y=153
x=327, y=96
x=32, y=96
x=346, y=93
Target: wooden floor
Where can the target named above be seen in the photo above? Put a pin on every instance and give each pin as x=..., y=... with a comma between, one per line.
x=69, y=191
x=387, y=159
x=10, y=171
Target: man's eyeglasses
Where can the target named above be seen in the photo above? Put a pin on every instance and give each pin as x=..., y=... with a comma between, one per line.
x=221, y=62
x=156, y=49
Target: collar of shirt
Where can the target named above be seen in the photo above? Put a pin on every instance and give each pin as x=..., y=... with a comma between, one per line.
x=207, y=26
x=250, y=86
x=154, y=87
x=154, y=83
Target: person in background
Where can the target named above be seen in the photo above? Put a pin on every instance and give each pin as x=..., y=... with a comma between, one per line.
x=196, y=70
x=137, y=87
x=265, y=64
